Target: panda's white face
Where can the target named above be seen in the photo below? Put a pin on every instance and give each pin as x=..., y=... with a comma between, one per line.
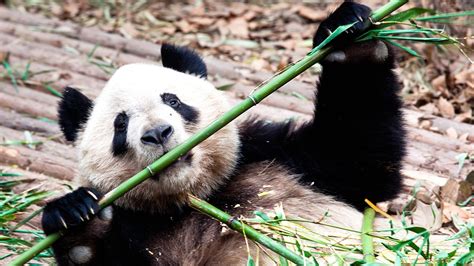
x=144, y=111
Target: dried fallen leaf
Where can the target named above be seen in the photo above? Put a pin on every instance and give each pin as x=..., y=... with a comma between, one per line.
x=202, y=21
x=426, y=124
x=455, y=191
x=72, y=8
x=129, y=30
x=429, y=108
x=312, y=14
x=427, y=215
x=3, y=56
x=239, y=27
x=452, y=133
x=169, y=30
x=184, y=26
x=446, y=108
x=451, y=210
x=439, y=83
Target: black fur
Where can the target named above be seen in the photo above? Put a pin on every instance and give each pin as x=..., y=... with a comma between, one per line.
x=347, y=13
x=73, y=111
x=183, y=60
x=354, y=146
x=73, y=208
x=189, y=113
x=119, y=142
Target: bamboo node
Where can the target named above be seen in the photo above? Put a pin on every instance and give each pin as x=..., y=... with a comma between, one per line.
x=149, y=170
x=232, y=219
x=253, y=100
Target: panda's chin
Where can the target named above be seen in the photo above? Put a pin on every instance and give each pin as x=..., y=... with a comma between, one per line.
x=182, y=161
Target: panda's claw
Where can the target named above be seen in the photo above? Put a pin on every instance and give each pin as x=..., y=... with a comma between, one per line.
x=328, y=31
x=73, y=209
x=63, y=222
x=346, y=13
x=92, y=195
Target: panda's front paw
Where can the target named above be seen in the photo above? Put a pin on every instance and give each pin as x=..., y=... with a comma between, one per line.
x=346, y=13
x=71, y=210
x=362, y=54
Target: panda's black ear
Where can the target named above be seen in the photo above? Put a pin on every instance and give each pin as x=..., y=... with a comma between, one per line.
x=73, y=112
x=183, y=60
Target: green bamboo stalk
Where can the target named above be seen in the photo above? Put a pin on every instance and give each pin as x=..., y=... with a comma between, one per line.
x=366, y=238
x=257, y=96
x=249, y=232
x=433, y=18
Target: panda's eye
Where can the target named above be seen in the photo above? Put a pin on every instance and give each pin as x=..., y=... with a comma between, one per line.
x=173, y=103
x=171, y=100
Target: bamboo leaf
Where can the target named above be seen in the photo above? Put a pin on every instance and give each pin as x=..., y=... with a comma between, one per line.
x=434, y=40
x=225, y=87
x=466, y=259
x=404, y=16
x=10, y=174
x=466, y=202
x=10, y=73
x=250, y=261
x=53, y=91
x=446, y=17
x=405, y=48
x=461, y=158
x=262, y=215
x=32, y=74
x=26, y=73
x=47, y=120
x=19, y=143
x=92, y=52
x=299, y=95
x=331, y=37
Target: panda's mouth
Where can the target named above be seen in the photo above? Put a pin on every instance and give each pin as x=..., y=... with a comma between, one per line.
x=184, y=159
x=187, y=158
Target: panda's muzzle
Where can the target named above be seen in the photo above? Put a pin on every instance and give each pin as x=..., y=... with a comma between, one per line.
x=158, y=135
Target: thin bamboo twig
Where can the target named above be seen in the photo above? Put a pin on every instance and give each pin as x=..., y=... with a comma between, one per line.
x=366, y=238
x=257, y=96
x=251, y=233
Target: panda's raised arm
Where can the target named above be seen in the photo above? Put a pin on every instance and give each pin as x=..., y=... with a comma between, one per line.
x=354, y=145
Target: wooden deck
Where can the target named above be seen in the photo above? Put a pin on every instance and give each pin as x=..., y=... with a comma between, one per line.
x=65, y=53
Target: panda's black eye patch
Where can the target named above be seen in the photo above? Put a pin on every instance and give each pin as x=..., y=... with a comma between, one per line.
x=121, y=122
x=119, y=142
x=189, y=113
x=171, y=100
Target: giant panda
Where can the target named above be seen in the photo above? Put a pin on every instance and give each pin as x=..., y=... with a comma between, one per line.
x=352, y=149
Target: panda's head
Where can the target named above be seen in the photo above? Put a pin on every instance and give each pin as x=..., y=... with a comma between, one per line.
x=144, y=111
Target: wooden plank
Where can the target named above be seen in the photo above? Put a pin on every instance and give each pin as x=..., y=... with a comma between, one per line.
x=13, y=120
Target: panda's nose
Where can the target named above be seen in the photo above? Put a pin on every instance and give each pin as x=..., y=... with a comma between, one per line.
x=157, y=135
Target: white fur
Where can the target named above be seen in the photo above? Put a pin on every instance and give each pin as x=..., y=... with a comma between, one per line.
x=381, y=51
x=106, y=214
x=80, y=254
x=337, y=56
